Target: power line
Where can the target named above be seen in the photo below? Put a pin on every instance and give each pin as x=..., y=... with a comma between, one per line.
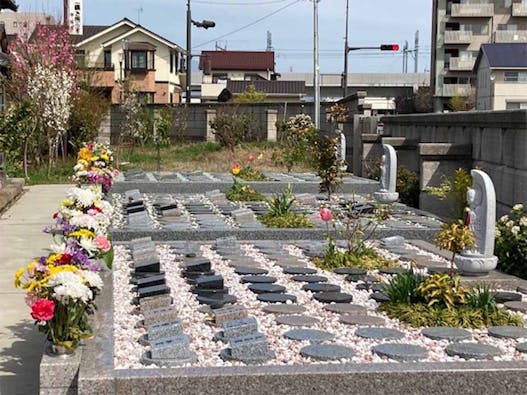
x=249, y=24
x=257, y=3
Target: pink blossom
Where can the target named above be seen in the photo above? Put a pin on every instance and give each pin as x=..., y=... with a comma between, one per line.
x=102, y=243
x=325, y=214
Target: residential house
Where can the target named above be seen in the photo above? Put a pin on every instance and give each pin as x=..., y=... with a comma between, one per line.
x=23, y=24
x=4, y=61
x=126, y=51
x=501, y=71
x=219, y=67
x=459, y=27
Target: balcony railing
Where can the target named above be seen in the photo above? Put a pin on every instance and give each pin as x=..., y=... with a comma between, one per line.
x=508, y=36
x=519, y=9
x=450, y=90
x=458, y=37
x=462, y=64
x=472, y=10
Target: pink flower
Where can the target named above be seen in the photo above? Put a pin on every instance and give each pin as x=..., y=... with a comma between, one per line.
x=325, y=214
x=30, y=298
x=42, y=310
x=102, y=243
x=250, y=158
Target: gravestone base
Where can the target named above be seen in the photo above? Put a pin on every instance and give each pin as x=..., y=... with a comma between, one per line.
x=58, y=373
x=475, y=265
x=386, y=197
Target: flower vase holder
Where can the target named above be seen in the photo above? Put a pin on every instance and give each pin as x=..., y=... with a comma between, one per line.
x=59, y=369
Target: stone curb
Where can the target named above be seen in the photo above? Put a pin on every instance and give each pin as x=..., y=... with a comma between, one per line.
x=11, y=192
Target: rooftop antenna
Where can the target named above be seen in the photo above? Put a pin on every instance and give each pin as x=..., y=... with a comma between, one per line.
x=218, y=47
x=139, y=11
x=269, y=41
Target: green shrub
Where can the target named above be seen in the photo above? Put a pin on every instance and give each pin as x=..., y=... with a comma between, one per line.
x=296, y=136
x=231, y=128
x=443, y=290
x=240, y=192
x=402, y=288
x=482, y=298
x=367, y=260
x=288, y=220
x=511, y=242
x=327, y=163
x=464, y=316
x=282, y=204
x=408, y=186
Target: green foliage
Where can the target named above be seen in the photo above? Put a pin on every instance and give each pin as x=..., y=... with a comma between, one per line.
x=240, y=192
x=89, y=109
x=296, y=136
x=408, y=186
x=288, y=220
x=482, y=298
x=511, y=242
x=465, y=316
x=402, y=288
x=282, y=204
x=443, y=290
x=250, y=95
x=367, y=260
x=454, y=237
x=251, y=174
x=423, y=100
x=454, y=191
x=231, y=127
x=327, y=163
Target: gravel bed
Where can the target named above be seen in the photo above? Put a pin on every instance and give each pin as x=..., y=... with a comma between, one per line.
x=127, y=351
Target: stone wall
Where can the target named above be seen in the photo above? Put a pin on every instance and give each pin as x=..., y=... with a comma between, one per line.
x=494, y=141
x=265, y=115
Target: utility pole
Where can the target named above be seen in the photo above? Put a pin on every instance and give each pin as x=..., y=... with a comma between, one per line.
x=405, y=57
x=189, y=56
x=269, y=41
x=65, y=13
x=345, y=73
x=316, y=66
x=416, y=50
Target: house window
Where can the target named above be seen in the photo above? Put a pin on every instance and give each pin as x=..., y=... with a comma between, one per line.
x=151, y=60
x=80, y=58
x=219, y=78
x=107, y=59
x=515, y=76
x=516, y=105
x=145, y=97
x=138, y=59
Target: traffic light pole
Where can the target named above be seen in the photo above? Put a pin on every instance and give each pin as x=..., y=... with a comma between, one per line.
x=316, y=66
x=189, y=55
x=345, y=74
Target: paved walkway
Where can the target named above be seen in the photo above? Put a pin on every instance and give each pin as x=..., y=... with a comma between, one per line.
x=21, y=239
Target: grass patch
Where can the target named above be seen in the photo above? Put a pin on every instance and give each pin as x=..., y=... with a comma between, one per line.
x=289, y=220
x=464, y=316
x=368, y=260
x=60, y=174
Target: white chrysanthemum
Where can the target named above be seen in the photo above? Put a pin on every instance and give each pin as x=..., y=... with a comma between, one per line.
x=523, y=221
x=69, y=285
x=515, y=230
x=85, y=221
x=510, y=224
x=505, y=218
x=497, y=233
x=58, y=248
x=92, y=278
x=87, y=244
x=106, y=207
x=84, y=197
x=517, y=207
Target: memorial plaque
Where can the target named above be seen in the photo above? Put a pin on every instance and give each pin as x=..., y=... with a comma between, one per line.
x=162, y=314
x=230, y=313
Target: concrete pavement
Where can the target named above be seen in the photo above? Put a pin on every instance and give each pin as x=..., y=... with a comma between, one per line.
x=21, y=239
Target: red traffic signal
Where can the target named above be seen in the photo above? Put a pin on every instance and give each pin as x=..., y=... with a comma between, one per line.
x=389, y=47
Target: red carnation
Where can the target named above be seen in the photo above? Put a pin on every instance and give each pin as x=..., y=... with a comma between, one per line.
x=42, y=310
x=65, y=259
x=55, y=215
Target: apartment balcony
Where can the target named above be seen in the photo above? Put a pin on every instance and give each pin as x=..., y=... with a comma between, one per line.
x=450, y=90
x=462, y=64
x=472, y=10
x=519, y=9
x=509, y=36
x=458, y=37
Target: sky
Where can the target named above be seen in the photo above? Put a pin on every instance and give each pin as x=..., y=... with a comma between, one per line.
x=243, y=25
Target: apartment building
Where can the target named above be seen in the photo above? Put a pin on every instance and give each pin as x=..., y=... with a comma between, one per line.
x=459, y=27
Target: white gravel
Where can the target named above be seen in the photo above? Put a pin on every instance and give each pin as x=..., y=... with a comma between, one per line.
x=127, y=351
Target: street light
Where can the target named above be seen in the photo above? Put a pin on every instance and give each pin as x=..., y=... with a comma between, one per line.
x=204, y=24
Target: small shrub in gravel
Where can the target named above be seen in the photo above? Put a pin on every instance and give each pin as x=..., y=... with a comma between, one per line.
x=240, y=192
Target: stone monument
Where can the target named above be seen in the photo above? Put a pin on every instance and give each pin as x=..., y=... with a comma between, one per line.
x=482, y=220
x=386, y=193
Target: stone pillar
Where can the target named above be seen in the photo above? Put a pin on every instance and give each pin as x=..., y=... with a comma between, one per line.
x=271, y=118
x=210, y=116
x=105, y=129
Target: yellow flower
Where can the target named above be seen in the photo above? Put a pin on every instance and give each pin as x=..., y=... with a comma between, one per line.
x=104, y=157
x=18, y=275
x=66, y=203
x=83, y=162
x=260, y=157
x=94, y=158
x=83, y=233
x=236, y=168
x=84, y=154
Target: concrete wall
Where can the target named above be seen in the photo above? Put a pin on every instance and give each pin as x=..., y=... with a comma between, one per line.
x=496, y=141
x=197, y=124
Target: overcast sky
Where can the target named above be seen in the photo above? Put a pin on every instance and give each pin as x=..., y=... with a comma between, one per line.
x=372, y=22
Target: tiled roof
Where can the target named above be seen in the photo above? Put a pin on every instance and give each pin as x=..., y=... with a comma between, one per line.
x=270, y=87
x=88, y=31
x=505, y=55
x=238, y=60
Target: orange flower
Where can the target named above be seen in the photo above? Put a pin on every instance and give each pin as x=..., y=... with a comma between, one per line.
x=236, y=168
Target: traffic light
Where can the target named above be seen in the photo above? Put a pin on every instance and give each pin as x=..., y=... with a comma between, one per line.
x=389, y=47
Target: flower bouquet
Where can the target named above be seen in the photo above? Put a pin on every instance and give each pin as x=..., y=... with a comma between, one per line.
x=95, y=166
x=61, y=297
